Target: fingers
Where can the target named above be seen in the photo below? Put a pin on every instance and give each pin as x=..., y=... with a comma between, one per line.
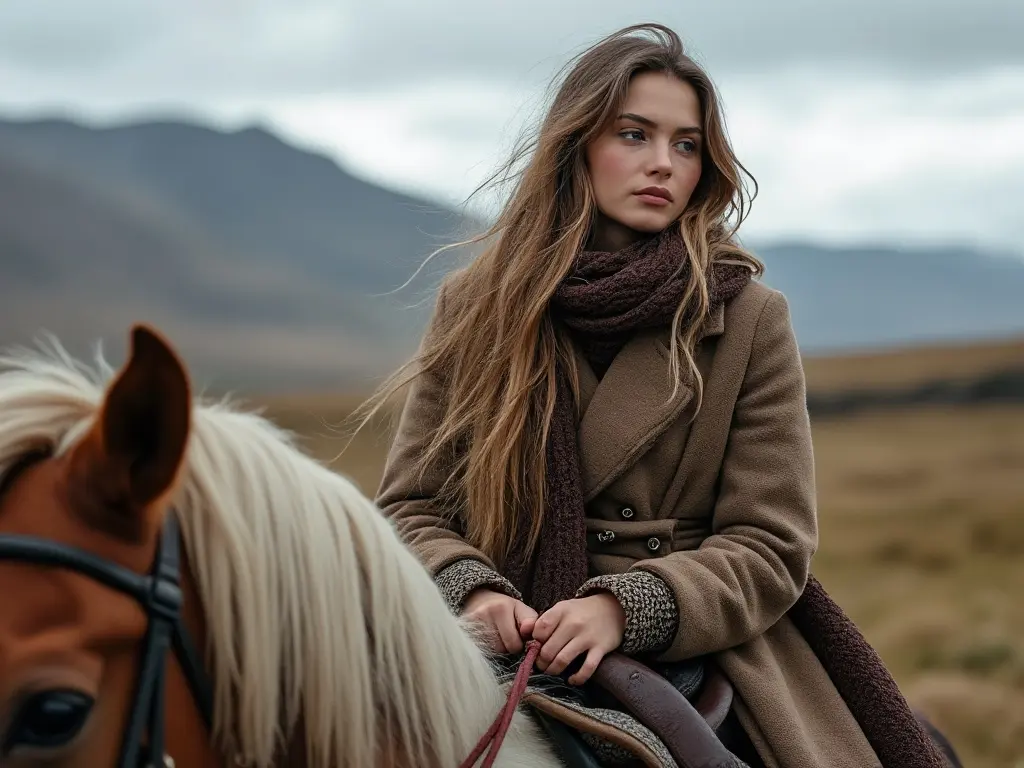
x=594, y=658
x=553, y=635
x=505, y=623
x=575, y=646
x=547, y=622
x=496, y=614
x=526, y=627
x=572, y=628
x=526, y=619
x=554, y=645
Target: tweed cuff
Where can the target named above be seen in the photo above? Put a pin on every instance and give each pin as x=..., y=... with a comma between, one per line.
x=460, y=578
x=652, y=617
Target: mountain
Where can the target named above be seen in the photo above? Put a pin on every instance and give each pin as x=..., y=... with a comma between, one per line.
x=868, y=297
x=267, y=265
x=250, y=189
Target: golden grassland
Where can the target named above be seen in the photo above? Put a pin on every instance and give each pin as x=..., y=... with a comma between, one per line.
x=908, y=367
x=922, y=542
x=922, y=534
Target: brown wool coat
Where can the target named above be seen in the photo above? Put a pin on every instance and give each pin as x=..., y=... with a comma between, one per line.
x=723, y=509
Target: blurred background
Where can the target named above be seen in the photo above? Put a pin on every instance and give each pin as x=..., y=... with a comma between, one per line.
x=261, y=179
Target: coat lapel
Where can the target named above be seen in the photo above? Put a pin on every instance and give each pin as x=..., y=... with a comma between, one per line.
x=630, y=407
x=588, y=380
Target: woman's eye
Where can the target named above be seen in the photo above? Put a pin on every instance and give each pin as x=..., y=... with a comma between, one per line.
x=48, y=720
x=633, y=133
x=687, y=145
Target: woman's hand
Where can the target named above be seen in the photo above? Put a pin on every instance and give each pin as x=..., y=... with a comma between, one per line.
x=506, y=620
x=592, y=625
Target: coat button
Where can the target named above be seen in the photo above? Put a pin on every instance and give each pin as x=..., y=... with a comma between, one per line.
x=606, y=537
x=627, y=513
x=653, y=543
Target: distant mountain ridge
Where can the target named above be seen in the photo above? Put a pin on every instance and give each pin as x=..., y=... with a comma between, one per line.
x=267, y=264
x=873, y=296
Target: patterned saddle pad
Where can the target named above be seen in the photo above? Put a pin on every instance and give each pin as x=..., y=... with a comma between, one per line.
x=613, y=737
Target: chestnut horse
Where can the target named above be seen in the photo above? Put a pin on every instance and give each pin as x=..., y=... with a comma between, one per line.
x=324, y=641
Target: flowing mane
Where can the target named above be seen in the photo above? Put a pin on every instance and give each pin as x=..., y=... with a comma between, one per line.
x=316, y=612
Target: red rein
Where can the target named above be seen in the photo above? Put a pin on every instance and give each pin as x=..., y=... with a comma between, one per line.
x=496, y=733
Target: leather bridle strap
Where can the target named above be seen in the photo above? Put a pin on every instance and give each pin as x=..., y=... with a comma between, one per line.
x=160, y=595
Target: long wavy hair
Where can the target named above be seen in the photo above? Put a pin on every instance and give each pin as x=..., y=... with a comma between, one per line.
x=495, y=346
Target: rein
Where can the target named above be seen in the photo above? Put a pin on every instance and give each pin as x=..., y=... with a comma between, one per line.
x=496, y=733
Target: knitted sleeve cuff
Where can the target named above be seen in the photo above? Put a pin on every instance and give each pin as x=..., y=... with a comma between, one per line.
x=460, y=578
x=652, y=617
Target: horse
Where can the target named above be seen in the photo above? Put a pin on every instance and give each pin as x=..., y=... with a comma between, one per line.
x=181, y=585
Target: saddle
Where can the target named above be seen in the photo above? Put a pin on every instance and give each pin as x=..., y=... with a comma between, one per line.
x=686, y=706
x=689, y=729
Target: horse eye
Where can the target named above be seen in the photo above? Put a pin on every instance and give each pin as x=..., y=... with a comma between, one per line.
x=48, y=720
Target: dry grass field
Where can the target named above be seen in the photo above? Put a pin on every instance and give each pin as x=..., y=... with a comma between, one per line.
x=922, y=534
x=909, y=367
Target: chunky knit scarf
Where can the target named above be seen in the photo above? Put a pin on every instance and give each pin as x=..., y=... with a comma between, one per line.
x=609, y=297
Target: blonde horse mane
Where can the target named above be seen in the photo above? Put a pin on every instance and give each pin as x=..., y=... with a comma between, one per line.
x=314, y=607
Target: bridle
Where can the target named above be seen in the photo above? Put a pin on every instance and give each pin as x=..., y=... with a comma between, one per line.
x=159, y=593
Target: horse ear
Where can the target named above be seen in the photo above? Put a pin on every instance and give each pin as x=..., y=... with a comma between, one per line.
x=132, y=456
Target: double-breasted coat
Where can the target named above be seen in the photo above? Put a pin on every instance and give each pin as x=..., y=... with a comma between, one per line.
x=721, y=507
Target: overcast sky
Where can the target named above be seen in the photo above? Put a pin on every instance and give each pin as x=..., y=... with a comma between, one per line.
x=881, y=120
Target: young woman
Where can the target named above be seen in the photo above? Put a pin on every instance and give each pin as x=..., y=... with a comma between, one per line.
x=605, y=443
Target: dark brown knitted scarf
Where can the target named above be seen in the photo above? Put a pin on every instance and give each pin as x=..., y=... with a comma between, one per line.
x=608, y=298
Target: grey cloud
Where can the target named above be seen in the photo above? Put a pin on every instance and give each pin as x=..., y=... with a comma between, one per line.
x=203, y=51
x=937, y=37
x=43, y=37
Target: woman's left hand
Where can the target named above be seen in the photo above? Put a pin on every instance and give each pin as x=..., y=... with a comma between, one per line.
x=592, y=625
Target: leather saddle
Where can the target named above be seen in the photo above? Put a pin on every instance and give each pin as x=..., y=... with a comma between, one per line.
x=685, y=705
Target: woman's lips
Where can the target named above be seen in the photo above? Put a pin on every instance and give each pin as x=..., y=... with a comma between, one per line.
x=652, y=199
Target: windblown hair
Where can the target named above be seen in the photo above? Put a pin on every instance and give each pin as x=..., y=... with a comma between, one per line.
x=493, y=341
x=315, y=610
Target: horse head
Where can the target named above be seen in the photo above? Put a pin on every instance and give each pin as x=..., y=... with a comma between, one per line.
x=90, y=595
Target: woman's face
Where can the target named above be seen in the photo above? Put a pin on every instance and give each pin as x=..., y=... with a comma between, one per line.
x=646, y=164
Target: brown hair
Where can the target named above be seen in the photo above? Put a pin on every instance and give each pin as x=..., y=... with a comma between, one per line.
x=496, y=346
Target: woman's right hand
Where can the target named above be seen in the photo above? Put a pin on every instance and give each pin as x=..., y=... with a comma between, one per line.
x=506, y=621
